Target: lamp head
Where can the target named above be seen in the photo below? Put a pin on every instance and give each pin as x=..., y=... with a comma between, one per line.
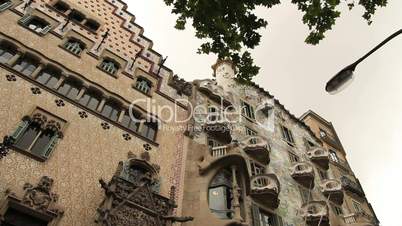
x=341, y=80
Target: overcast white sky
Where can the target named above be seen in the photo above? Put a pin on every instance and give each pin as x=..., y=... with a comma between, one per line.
x=367, y=115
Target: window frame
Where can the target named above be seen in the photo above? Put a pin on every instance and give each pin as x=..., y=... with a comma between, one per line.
x=5, y=5
x=333, y=156
x=293, y=158
x=109, y=66
x=141, y=88
x=247, y=110
x=287, y=136
x=27, y=19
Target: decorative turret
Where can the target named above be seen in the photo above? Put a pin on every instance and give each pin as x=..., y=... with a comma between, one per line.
x=225, y=73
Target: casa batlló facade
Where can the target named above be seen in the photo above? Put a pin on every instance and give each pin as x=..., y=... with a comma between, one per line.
x=98, y=131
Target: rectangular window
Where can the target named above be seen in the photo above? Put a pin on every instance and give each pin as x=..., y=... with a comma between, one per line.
x=4, y=4
x=333, y=156
x=26, y=66
x=247, y=110
x=270, y=219
x=357, y=206
x=149, y=130
x=36, y=136
x=338, y=210
x=251, y=133
x=287, y=135
x=293, y=158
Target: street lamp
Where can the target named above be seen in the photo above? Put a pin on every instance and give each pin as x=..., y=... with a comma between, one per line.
x=341, y=80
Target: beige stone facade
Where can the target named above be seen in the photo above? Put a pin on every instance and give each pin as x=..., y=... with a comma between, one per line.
x=71, y=74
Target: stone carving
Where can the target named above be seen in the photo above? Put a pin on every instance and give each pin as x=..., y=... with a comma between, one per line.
x=39, y=118
x=5, y=146
x=181, y=86
x=131, y=197
x=41, y=197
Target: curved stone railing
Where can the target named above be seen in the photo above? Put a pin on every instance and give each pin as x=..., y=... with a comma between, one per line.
x=303, y=172
x=258, y=148
x=266, y=188
x=333, y=190
x=319, y=156
x=314, y=212
x=331, y=186
x=215, y=92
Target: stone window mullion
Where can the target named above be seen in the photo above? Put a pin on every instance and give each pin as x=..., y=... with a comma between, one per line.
x=14, y=59
x=81, y=93
x=122, y=113
x=61, y=80
x=101, y=105
x=38, y=69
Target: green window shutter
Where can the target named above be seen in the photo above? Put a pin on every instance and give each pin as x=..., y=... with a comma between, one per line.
x=46, y=29
x=25, y=18
x=255, y=211
x=5, y=5
x=20, y=129
x=50, y=147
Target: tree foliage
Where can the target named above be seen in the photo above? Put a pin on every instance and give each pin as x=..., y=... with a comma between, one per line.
x=229, y=28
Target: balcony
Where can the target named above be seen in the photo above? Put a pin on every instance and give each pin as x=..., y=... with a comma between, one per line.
x=332, y=189
x=359, y=219
x=257, y=148
x=303, y=173
x=351, y=186
x=315, y=213
x=215, y=92
x=319, y=156
x=218, y=128
x=214, y=156
x=265, y=189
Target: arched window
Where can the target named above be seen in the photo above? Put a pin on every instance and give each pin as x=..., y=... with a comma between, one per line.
x=36, y=24
x=143, y=85
x=92, y=25
x=110, y=66
x=74, y=46
x=149, y=130
x=4, y=4
x=35, y=139
x=7, y=51
x=91, y=99
x=49, y=76
x=27, y=64
x=76, y=16
x=131, y=123
x=111, y=110
x=70, y=88
x=61, y=6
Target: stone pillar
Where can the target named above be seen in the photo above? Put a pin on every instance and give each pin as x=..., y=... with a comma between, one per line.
x=61, y=80
x=37, y=71
x=236, y=196
x=102, y=103
x=14, y=59
x=81, y=93
x=122, y=113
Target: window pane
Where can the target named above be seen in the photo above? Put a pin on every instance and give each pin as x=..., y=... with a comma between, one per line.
x=114, y=114
x=126, y=121
x=5, y=56
x=29, y=69
x=52, y=82
x=39, y=148
x=107, y=109
x=28, y=137
x=63, y=89
x=93, y=103
x=43, y=77
x=72, y=94
x=84, y=99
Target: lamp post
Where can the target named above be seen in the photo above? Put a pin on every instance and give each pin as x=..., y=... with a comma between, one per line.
x=341, y=80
